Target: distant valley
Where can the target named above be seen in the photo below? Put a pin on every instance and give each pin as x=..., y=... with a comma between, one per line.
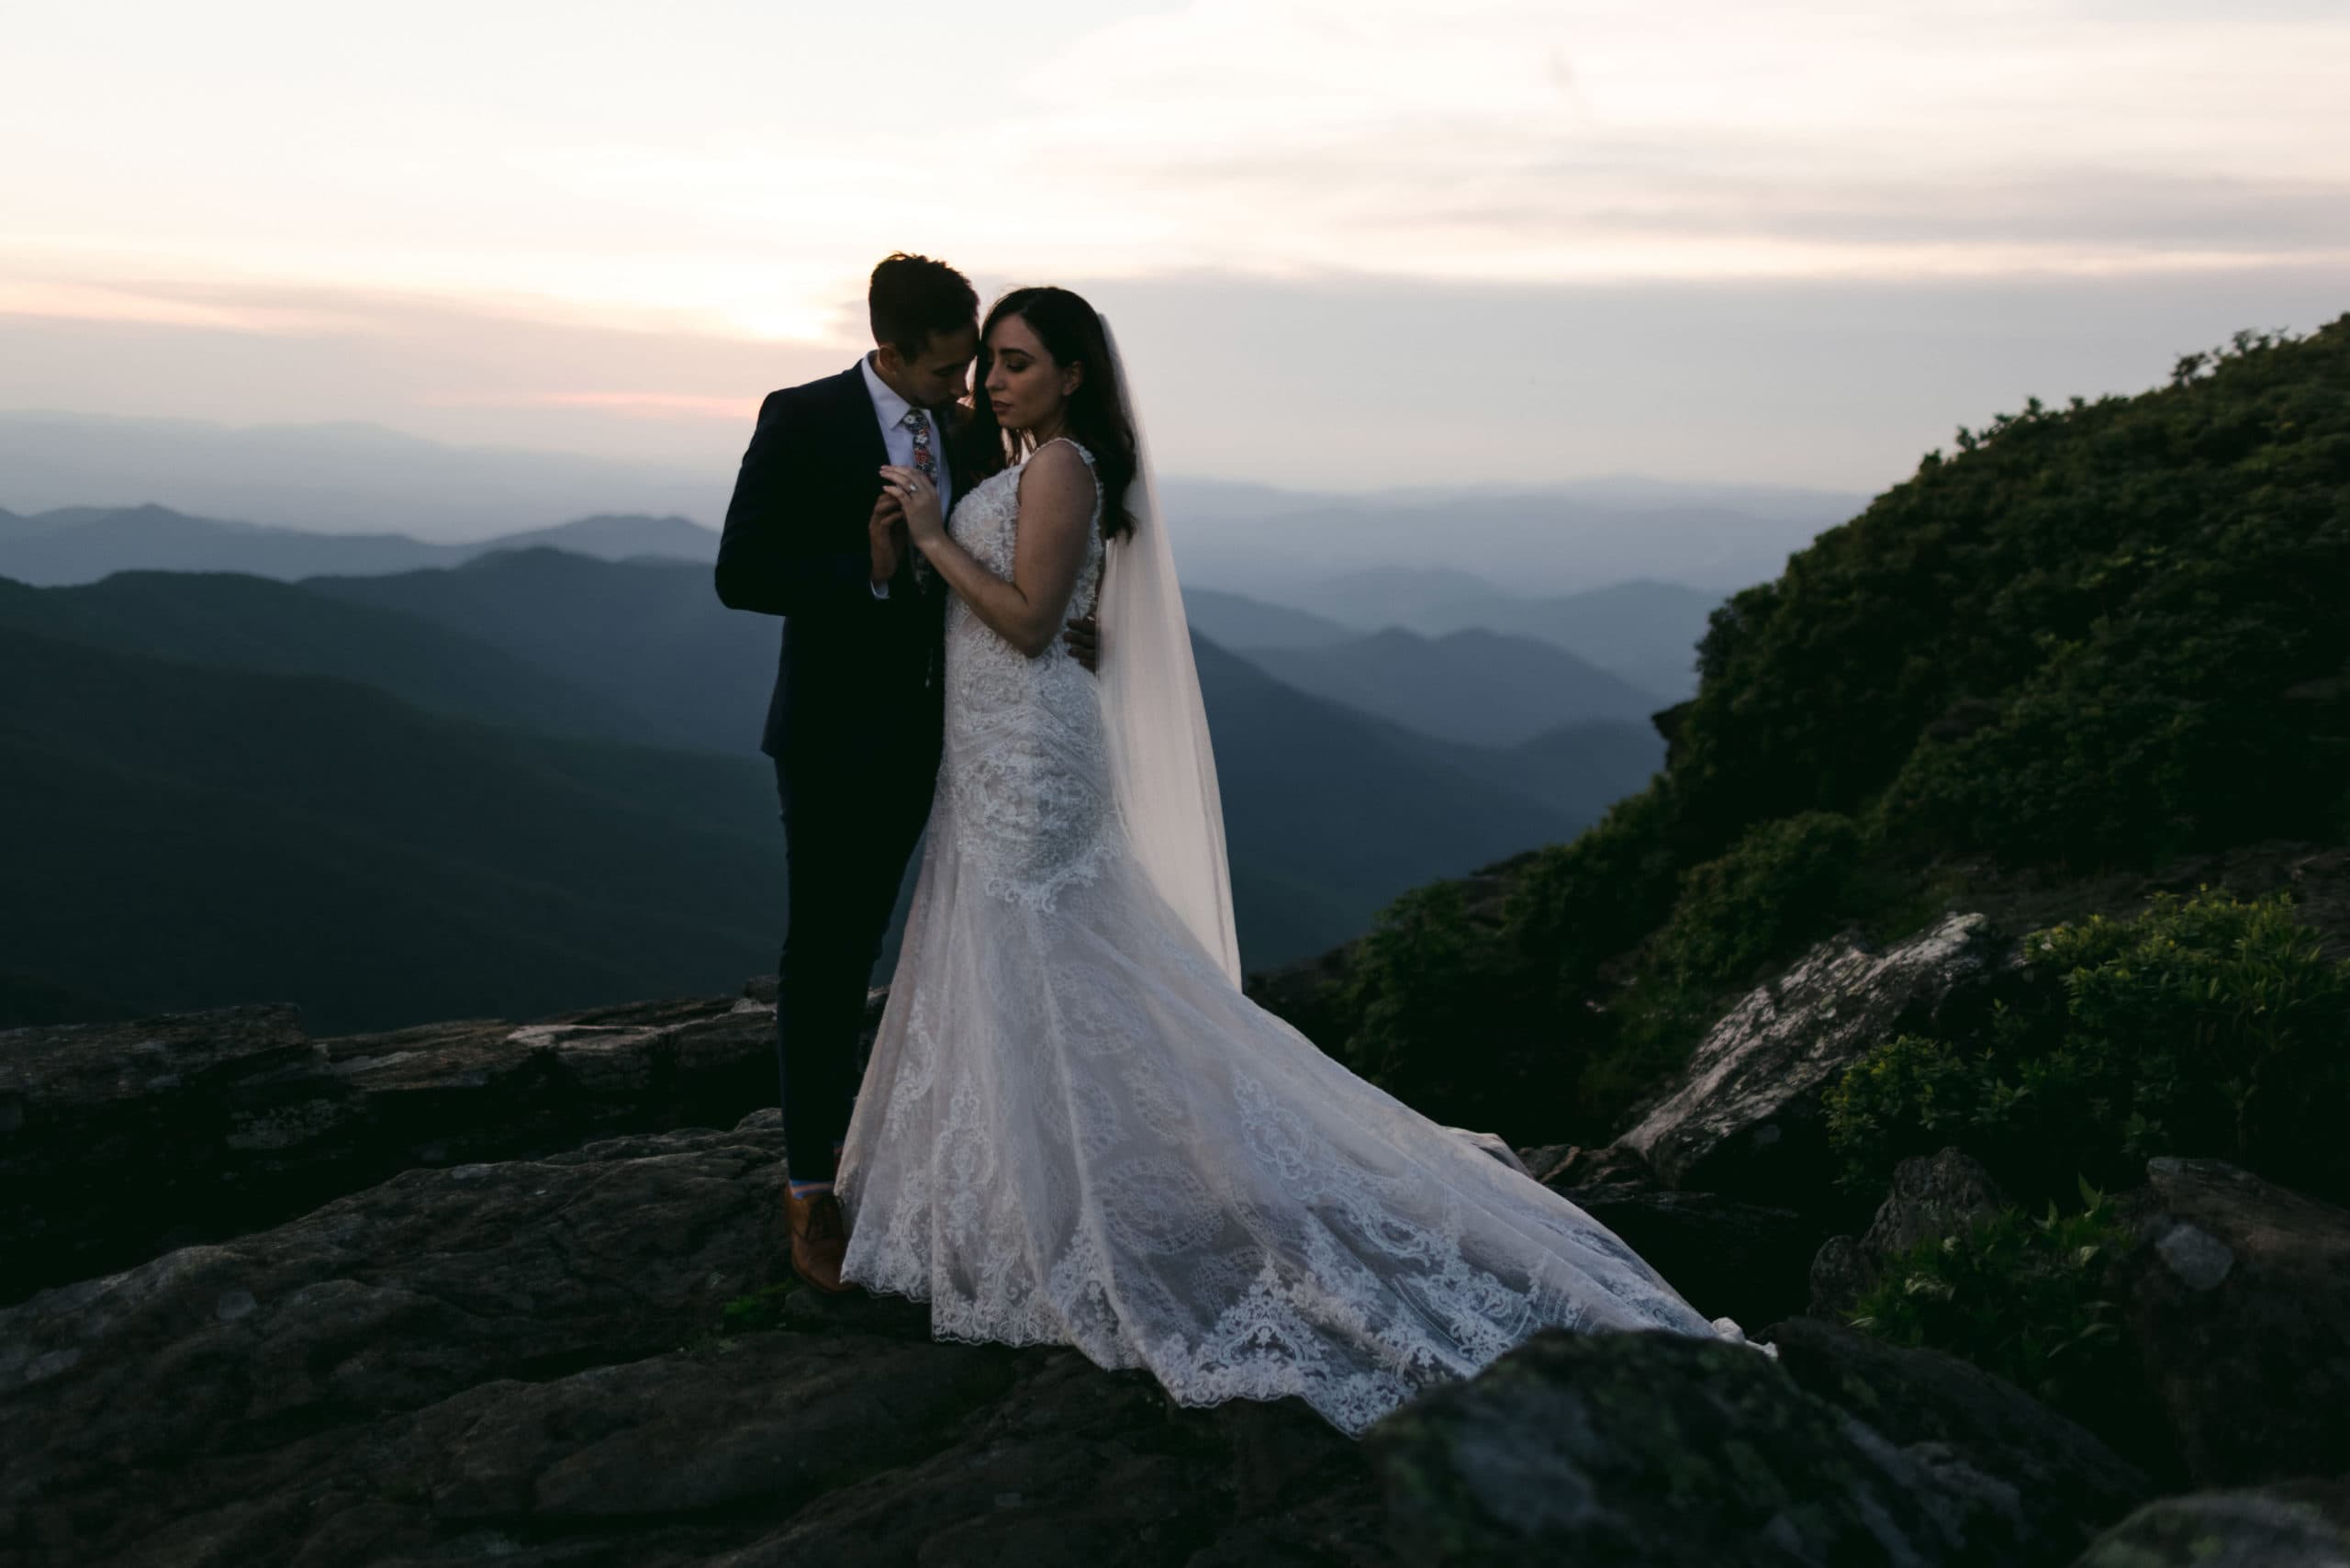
x=255, y=753
x=1645, y=633
x=1253, y=539
x=1481, y=688
x=82, y=544
x=315, y=751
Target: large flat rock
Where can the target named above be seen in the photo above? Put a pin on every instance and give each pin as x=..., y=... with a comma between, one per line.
x=521, y=1359
x=1745, y=1118
x=1659, y=1447
x=2237, y=1300
x=120, y=1141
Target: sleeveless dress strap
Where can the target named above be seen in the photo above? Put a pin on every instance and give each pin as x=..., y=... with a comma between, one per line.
x=1072, y=440
x=1099, y=498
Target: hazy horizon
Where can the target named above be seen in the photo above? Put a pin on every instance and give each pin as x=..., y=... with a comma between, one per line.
x=346, y=476
x=1347, y=246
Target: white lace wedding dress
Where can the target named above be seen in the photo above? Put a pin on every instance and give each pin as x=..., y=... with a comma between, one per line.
x=1075, y=1129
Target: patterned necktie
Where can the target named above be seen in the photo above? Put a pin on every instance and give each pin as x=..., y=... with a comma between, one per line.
x=925, y=464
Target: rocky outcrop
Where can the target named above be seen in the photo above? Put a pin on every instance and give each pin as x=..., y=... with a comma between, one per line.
x=2237, y=1300
x=1656, y=1448
x=1930, y=1197
x=508, y=1346
x=1730, y=1258
x=120, y=1141
x=523, y=1361
x=1942, y=1410
x=2295, y=1525
x=1745, y=1116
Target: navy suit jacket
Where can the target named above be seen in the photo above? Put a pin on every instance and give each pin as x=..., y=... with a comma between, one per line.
x=859, y=677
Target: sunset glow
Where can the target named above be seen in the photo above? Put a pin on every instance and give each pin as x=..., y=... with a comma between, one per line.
x=729, y=172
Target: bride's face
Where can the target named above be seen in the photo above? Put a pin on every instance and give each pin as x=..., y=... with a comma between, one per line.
x=1025, y=387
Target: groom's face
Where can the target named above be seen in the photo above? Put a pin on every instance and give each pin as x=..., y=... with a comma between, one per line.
x=939, y=375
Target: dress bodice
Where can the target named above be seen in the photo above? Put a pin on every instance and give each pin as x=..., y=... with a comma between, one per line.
x=1026, y=765
x=987, y=523
x=1077, y=1129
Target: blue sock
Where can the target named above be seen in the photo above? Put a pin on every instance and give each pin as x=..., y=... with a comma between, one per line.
x=808, y=1189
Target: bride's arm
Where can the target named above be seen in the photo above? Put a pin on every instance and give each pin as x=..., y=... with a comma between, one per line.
x=1057, y=494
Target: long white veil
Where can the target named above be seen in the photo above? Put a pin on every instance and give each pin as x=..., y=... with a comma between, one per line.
x=1162, y=765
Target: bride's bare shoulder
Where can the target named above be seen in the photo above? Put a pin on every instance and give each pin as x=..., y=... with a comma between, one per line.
x=1057, y=472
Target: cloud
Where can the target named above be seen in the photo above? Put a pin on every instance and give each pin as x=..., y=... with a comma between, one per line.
x=736, y=412
x=735, y=167
x=1340, y=383
x=1362, y=242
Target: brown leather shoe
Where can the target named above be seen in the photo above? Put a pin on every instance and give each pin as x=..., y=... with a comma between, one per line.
x=819, y=1239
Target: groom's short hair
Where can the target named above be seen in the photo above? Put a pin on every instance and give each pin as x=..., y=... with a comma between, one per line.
x=913, y=298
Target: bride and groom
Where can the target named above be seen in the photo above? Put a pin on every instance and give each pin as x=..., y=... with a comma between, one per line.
x=1074, y=1128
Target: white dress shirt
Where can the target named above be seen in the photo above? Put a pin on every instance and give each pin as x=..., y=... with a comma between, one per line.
x=890, y=409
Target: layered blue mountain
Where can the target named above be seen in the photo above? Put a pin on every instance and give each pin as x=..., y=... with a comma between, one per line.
x=220, y=788
x=1237, y=621
x=83, y=544
x=1645, y=631
x=649, y=638
x=1477, y=687
x=181, y=836
x=254, y=623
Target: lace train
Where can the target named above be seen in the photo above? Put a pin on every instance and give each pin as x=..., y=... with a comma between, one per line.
x=1075, y=1130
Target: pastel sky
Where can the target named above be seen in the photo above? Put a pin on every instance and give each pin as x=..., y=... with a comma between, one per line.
x=1348, y=243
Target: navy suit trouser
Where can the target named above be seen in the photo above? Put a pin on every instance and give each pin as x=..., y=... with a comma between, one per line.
x=851, y=818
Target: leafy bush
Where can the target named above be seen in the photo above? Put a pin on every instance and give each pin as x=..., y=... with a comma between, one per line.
x=2096, y=636
x=2100, y=635
x=1771, y=894
x=2021, y=1297
x=1431, y=974
x=1578, y=905
x=2204, y=1028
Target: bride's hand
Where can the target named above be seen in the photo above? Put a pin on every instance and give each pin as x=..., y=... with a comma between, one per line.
x=918, y=496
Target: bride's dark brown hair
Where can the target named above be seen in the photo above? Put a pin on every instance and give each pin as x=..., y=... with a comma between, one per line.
x=1096, y=412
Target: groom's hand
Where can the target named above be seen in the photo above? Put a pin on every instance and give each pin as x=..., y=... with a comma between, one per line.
x=885, y=533
x=1083, y=636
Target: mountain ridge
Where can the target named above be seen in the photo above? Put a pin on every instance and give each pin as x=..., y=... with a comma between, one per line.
x=1329, y=812
x=71, y=545
x=1474, y=687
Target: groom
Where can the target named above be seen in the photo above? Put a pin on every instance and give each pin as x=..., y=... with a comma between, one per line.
x=855, y=723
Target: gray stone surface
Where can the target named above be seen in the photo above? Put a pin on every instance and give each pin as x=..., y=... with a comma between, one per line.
x=1660, y=1447
x=1935, y=1196
x=1745, y=1116
x=521, y=1359
x=2293, y=1525
x=120, y=1141
x=2068, y=1482
x=2237, y=1300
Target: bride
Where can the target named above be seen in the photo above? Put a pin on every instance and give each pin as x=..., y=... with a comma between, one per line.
x=1074, y=1128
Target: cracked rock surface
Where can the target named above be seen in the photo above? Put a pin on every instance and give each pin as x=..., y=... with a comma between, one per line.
x=1745, y=1118
x=517, y=1360
x=2237, y=1300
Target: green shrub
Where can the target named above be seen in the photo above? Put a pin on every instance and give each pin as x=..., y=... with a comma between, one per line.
x=2096, y=635
x=2100, y=635
x=1439, y=1020
x=2204, y=1026
x=2020, y=1297
x=1576, y=906
x=1910, y=1096
x=1776, y=891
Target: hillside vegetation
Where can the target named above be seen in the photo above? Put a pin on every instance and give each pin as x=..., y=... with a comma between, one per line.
x=499, y=766
x=2091, y=640
x=181, y=835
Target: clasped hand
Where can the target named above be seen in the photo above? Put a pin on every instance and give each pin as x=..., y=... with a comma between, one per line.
x=908, y=506
x=918, y=500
